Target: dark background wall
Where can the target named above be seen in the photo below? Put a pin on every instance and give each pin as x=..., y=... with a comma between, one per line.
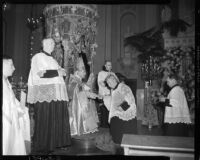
x=16, y=37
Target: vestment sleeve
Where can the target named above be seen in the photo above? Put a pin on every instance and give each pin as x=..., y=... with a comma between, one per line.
x=174, y=97
x=128, y=95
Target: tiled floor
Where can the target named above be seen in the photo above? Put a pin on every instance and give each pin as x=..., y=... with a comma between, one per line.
x=85, y=144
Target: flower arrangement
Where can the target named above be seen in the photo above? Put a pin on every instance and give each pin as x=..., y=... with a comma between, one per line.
x=177, y=59
x=181, y=61
x=176, y=56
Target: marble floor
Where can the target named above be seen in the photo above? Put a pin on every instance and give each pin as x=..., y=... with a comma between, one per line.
x=85, y=145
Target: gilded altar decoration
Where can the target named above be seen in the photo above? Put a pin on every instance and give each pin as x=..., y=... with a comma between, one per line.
x=77, y=26
x=150, y=69
x=150, y=97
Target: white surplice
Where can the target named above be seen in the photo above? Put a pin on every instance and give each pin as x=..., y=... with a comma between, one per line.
x=179, y=112
x=122, y=94
x=45, y=89
x=13, y=140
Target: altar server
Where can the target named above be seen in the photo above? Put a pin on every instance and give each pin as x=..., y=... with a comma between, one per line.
x=177, y=116
x=12, y=112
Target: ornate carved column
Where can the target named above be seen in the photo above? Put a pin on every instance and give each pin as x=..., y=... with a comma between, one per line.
x=76, y=25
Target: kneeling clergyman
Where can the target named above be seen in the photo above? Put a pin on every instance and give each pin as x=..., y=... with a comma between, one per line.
x=122, y=115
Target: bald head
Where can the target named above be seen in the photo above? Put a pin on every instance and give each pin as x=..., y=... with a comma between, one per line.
x=48, y=45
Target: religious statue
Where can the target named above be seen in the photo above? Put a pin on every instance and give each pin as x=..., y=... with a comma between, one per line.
x=58, y=50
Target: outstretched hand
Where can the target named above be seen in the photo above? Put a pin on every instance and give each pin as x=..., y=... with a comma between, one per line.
x=61, y=72
x=99, y=96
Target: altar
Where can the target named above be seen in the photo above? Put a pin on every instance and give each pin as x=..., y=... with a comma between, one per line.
x=177, y=148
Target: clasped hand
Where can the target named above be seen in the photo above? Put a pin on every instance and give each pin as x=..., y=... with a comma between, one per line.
x=41, y=73
x=94, y=96
x=162, y=99
x=119, y=108
x=21, y=110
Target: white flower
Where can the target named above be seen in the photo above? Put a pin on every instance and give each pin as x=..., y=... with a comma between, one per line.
x=93, y=54
x=89, y=62
x=94, y=45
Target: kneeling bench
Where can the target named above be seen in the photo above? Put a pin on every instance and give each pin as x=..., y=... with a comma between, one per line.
x=177, y=148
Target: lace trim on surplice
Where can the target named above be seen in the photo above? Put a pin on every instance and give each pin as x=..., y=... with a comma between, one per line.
x=186, y=120
x=47, y=93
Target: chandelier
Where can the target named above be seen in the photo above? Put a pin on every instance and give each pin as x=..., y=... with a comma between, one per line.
x=75, y=26
x=150, y=69
x=33, y=22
